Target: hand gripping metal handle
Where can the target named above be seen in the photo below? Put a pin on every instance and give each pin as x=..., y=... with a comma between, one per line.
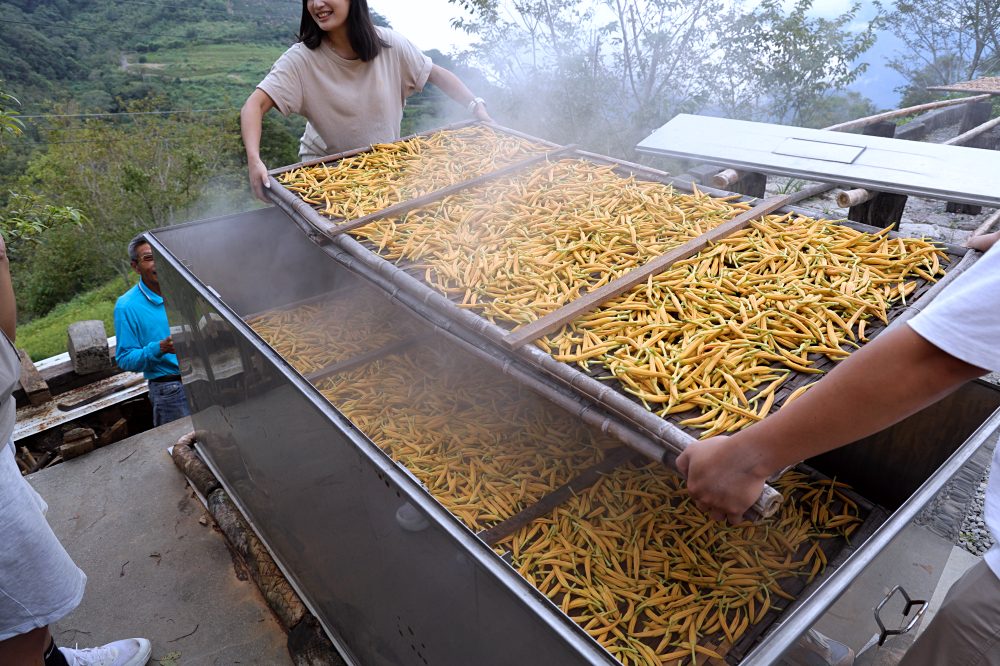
x=910, y=603
x=767, y=503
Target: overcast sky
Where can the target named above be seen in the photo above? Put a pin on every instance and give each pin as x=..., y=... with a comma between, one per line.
x=426, y=23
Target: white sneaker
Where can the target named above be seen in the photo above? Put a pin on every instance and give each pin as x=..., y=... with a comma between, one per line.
x=128, y=652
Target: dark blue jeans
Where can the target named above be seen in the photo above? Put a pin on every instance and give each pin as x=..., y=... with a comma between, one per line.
x=169, y=402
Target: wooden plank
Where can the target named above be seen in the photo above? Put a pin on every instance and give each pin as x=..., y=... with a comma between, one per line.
x=614, y=459
x=591, y=300
x=950, y=173
x=364, y=359
x=34, y=386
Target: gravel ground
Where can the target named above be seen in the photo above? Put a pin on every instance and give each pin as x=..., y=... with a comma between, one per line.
x=973, y=536
x=924, y=218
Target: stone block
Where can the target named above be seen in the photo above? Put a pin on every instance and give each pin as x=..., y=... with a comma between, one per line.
x=88, y=347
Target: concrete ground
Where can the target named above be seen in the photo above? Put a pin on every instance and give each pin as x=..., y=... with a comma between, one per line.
x=129, y=521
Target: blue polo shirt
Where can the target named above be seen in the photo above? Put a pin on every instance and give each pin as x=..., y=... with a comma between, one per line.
x=140, y=324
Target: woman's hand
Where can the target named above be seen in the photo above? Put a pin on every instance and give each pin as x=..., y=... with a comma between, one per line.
x=480, y=113
x=258, y=178
x=251, y=124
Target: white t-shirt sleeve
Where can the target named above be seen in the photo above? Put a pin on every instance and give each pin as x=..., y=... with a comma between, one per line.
x=283, y=84
x=964, y=319
x=414, y=66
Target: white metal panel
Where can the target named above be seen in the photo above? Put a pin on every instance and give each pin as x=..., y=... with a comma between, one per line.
x=819, y=150
x=952, y=173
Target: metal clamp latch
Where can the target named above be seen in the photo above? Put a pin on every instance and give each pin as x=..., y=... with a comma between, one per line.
x=910, y=603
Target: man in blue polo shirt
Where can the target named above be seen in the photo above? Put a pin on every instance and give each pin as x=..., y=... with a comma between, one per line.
x=144, y=342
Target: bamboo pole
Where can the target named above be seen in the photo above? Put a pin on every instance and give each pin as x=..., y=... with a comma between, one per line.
x=848, y=198
x=899, y=113
x=986, y=225
x=726, y=178
x=963, y=139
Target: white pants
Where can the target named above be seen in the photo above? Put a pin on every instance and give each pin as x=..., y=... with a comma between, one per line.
x=39, y=583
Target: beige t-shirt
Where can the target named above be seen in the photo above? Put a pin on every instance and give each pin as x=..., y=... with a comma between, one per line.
x=347, y=103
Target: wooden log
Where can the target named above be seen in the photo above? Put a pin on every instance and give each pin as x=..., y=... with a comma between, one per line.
x=752, y=184
x=702, y=173
x=810, y=192
x=77, y=442
x=308, y=645
x=975, y=124
x=32, y=382
x=277, y=592
x=857, y=196
x=196, y=471
x=591, y=300
x=116, y=431
x=726, y=178
x=884, y=210
x=41, y=462
x=899, y=113
x=880, y=209
x=26, y=460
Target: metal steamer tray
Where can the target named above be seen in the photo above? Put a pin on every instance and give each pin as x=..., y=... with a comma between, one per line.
x=395, y=576
x=630, y=420
x=416, y=584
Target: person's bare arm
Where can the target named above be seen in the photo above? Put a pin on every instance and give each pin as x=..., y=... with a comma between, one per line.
x=453, y=87
x=983, y=242
x=8, y=304
x=894, y=376
x=251, y=126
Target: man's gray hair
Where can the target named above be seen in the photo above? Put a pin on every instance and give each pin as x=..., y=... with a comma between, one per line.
x=133, y=247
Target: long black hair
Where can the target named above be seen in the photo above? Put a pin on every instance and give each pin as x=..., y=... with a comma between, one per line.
x=361, y=31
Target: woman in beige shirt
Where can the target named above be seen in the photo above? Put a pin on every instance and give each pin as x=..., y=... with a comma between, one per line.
x=349, y=79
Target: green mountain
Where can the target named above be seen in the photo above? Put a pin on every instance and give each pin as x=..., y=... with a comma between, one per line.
x=97, y=55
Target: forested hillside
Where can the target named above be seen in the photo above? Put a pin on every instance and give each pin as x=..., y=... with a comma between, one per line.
x=100, y=54
x=126, y=119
